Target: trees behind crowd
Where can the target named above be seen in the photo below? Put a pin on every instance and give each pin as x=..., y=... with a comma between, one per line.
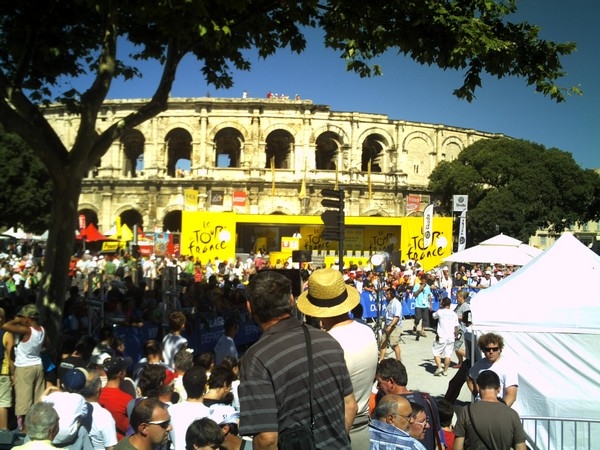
x=47, y=53
x=517, y=187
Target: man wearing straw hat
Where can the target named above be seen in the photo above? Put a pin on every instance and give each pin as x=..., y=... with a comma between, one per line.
x=330, y=299
x=274, y=379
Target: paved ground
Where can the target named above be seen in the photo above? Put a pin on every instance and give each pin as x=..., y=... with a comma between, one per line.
x=419, y=363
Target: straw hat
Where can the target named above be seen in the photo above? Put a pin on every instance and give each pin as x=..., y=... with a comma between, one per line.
x=327, y=295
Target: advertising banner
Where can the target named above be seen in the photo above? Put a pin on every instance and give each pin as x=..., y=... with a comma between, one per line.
x=460, y=203
x=462, y=231
x=413, y=203
x=190, y=199
x=413, y=243
x=428, y=225
x=207, y=235
x=239, y=201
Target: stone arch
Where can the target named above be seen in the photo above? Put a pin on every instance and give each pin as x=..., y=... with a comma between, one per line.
x=279, y=145
x=451, y=147
x=210, y=135
x=172, y=220
x=228, y=146
x=90, y=212
x=376, y=213
x=133, y=142
x=131, y=217
x=178, y=145
x=279, y=210
x=417, y=147
x=328, y=128
x=328, y=146
x=375, y=145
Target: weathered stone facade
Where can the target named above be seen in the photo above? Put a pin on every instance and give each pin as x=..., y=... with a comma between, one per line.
x=259, y=146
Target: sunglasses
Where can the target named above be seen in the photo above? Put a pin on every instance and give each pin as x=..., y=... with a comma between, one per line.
x=491, y=349
x=164, y=424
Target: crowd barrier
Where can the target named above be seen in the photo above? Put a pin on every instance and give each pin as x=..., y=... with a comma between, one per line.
x=372, y=301
x=202, y=333
x=204, y=330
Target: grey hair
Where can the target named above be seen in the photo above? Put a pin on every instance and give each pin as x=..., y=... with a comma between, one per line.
x=92, y=384
x=388, y=405
x=41, y=419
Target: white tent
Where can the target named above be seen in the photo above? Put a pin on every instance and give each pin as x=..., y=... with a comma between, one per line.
x=550, y=321
x=500, y=249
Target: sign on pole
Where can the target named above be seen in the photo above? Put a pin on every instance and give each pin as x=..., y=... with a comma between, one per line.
x=460, y=203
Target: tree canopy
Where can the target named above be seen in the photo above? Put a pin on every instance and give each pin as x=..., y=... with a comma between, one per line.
x=43, y=48
x=25, y=189
x=517, y=187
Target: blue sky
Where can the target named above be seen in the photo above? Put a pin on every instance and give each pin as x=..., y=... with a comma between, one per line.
x=408, y=91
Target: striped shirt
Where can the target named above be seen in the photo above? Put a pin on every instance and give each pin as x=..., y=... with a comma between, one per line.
x=387, y=437
x=274, y=384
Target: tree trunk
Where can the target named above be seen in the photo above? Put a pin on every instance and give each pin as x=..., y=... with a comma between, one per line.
x=59, y=248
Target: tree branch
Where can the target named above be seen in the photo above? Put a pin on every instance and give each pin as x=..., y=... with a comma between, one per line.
x=20, y=116
x=156, y=105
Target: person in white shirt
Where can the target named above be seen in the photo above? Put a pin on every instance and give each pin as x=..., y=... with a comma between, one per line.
x=99, y=422
x=445, y=280
x=184, y=413
x=330, y=299
x=447, y=329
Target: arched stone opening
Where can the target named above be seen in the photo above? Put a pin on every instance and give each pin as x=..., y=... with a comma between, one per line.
x=172, y=221
x=372, y=151
x=90, y=215
x=179, y=152
x=132, y=218
x=279, y=145
x=326, y=153
x=133, y=153
x=228, y=148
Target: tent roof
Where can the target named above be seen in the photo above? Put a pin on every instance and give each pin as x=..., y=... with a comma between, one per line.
x=499, y=249
x=531, y=300
x=91, y=234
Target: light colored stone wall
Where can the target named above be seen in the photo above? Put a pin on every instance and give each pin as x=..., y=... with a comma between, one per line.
x=409, y=151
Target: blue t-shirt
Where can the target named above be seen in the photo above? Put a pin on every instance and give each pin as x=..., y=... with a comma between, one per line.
x=422, y=300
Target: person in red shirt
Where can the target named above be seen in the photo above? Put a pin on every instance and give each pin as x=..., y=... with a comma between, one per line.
x=112, y=397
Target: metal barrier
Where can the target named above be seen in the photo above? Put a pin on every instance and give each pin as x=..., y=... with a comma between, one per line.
x=552, y=433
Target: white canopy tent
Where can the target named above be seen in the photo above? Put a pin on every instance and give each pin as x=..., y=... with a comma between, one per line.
x=500, y=249
x=550, y=321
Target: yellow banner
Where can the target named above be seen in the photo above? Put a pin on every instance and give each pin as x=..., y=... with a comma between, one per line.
x=413, y=242
x=207, y=235
x=111, y=246
x=190, y=199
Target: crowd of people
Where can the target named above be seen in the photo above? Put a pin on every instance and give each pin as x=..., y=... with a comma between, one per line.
x=317, y=374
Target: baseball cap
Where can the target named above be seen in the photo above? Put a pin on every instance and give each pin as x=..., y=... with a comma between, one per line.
x=223, y=414
x=74, y=379
x=30, y=311
x=169, y=377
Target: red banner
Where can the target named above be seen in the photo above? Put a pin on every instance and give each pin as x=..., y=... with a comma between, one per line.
x=239, y=199
x=413, y=202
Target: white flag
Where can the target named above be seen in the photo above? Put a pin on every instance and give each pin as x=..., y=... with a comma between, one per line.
x=462, y=230
x=427, y=226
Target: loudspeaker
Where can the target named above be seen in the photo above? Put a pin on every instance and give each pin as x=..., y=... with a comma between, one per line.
x=301, y=256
